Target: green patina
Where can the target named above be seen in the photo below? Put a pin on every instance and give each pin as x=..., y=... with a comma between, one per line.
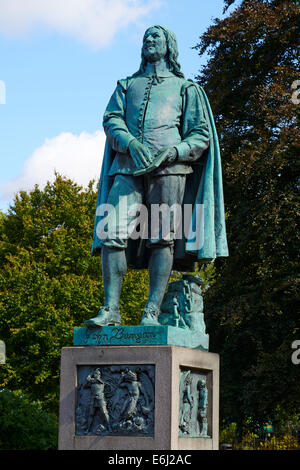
x=139, y=335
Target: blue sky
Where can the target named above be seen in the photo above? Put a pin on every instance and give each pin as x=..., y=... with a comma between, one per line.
x=59, y=62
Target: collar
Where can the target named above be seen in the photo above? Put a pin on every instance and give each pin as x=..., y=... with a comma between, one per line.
x=159, y=70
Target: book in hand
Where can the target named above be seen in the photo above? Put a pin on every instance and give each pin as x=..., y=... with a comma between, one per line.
x=158, y=160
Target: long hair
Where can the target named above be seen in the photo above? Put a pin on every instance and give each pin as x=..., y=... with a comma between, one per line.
x=172, y=53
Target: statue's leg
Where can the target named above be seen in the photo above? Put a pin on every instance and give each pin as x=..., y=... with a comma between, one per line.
x=90, y=417
x=125, y=192
x=162, y=191
x=114, y=267
x=104, y=412
x=160, y=267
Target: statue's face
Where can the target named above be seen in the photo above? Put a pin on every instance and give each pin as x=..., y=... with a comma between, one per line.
x=154, y=45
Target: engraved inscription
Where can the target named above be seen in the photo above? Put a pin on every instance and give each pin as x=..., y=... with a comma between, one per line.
x=118, y=335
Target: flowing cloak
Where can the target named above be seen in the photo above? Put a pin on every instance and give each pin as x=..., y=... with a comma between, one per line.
x=203, y=192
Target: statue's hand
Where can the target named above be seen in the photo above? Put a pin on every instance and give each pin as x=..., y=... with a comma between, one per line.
x=140, y=154
x=169, y=155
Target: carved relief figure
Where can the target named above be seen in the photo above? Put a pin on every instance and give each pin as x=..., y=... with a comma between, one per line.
x=98, y=401
x=202, y=406
x=115, y=400
x=193, y=405
x=134, y=389
x=187, y=405
x=182, y=305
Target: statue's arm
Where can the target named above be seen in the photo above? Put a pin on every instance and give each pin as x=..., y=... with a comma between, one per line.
x=195, y=132
x=189, y=396
x=88, y=381
x=114, y=123
x=117, y=132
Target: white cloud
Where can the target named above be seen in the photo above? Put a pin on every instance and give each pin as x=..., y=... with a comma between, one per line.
x=92, y=21
x=76, y=157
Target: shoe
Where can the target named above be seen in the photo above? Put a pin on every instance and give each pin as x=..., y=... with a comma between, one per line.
x=106, y=316
x=150, y=316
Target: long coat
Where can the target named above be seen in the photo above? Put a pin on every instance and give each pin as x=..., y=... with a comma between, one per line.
x=203, y=187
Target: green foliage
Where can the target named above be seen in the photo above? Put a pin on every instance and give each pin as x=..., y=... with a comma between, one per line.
x=228, y=434
x=286, y=423
x=48, y=283
x=134, y=296
x=250, y=441
x=24, y=425
x=252, y=307
x=286, y=442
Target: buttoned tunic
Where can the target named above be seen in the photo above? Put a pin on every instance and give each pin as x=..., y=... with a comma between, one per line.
x=160, y=113
x=134, y=112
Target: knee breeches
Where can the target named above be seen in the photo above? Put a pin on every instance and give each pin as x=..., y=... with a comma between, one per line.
x=144, y=206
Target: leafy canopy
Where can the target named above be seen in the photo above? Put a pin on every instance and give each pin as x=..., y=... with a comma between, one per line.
x=252, y=308
x=49, y=283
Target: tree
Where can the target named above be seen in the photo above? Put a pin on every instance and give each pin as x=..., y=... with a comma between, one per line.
x=49, y=283
x=24, y=425
x=252, y=308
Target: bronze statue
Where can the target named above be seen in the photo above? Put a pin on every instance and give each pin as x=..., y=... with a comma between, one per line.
x=161, y=149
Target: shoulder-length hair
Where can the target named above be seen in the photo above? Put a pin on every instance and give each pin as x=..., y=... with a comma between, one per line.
x=172, y=53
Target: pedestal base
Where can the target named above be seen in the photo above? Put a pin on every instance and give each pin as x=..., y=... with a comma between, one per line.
x=138, y=398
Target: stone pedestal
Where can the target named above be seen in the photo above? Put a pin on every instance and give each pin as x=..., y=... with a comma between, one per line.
x=138, y=398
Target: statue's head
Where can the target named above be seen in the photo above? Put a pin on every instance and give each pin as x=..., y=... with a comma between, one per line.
x=188, y=380
x=130, y=376
x=159, y=42
x=97, y=374
x=201, y=384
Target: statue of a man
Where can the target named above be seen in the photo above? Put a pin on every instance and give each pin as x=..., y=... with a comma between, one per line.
x=157, y=113
x=98, y=402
